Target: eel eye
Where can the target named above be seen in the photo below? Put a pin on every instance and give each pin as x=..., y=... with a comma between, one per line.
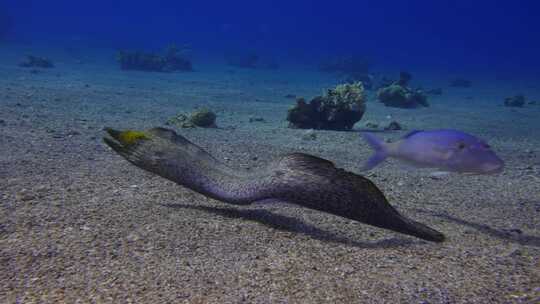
x=461, y=146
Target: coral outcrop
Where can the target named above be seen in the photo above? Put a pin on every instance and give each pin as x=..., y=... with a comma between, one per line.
x=339, y=109
x=400, y=95
x=173, y=60
x=515, y=101
x=203, y=118
x=36, y=62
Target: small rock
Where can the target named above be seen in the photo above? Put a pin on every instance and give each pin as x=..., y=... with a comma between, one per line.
x=371, y=124
x=515, y=231
x=256, y=119
x=309, y=135
x=515, y=101
x=41, y=188
x=200, y=118
x=24, y=195
x=133, y=237
x=515, y=253
x=73, y=133
x=438, y=175
x=203, y=118
x=393, y=126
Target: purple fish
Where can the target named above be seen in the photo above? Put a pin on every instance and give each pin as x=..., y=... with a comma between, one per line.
x=448, y=150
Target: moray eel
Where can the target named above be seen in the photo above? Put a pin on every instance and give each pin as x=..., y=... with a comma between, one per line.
x=296, y=178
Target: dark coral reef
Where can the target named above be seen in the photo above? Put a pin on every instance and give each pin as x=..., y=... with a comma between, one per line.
x=398, y=94
x=36, y=62
x=174, y=59
x=339, y=109
x=515, y=101
x=203, y=118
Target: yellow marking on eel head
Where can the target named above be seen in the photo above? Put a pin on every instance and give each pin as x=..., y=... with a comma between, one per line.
x=131, y=137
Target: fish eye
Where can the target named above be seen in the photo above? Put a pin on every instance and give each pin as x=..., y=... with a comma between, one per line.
x=461, y=146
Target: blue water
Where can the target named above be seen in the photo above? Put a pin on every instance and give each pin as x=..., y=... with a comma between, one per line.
x=492, y=36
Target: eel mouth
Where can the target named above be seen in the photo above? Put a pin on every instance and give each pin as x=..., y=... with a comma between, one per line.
x=123, y=141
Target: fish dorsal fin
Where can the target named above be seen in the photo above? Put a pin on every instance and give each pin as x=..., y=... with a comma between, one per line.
x=412, y=133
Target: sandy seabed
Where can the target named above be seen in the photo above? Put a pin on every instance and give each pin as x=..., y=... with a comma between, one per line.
x=80, y=224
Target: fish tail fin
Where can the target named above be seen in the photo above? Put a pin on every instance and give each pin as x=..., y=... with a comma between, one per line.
x=380, y=151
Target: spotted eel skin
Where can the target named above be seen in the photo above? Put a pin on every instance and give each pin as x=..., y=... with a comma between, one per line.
x=296, y=178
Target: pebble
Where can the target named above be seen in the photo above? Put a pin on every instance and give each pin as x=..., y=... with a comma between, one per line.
x=438, y=175
x=73, y=133
x=515, y=253
x=393, y=126
x=133, y=237
x=371, y=125
x=309, y=135
x=24, y=195
x=41, y=188
x=514, y=231
x=256, y=119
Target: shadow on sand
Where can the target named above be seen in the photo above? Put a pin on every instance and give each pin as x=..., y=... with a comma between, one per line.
x=291, y=224
x=514, y=236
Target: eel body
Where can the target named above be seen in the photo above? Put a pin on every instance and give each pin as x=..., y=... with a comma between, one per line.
x=296, y=178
